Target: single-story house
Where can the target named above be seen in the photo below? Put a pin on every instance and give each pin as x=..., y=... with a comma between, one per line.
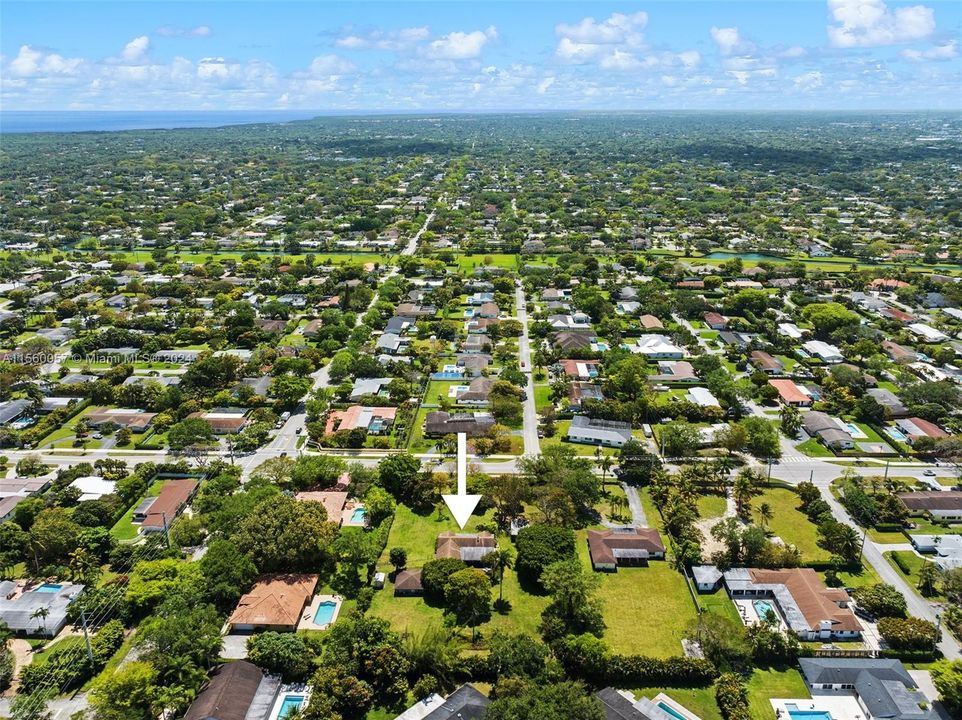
x=702, y=396
x=894, y=407
x=883, y=688
x=223, y=422
x=132, y=419
x=93, y=487
x=624, y=546
x=657, y=347
x=941, y=505
x=470, y=548
x=408, y=583
x=766, y=363
x=569, y=340
x=578, y=392
x=914, y=428
x=828, y=432
x=332, y=500
x=791, y=394
x=591, y=431
x=161, y=511
x=276, y=602
x=650, y=322
x=235, y=691
x=439, y=422
x=809, y=608
x=708, y=578
x=828, y=354
x=376, y=420
x=477, y=392
x=680, y=371
x=715, y=321
x=11, y=410
x=581, y=369
x=20, y=605
x=465, y=703
x=368, y=386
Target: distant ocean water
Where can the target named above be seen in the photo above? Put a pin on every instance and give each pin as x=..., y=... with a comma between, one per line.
x=54, y=121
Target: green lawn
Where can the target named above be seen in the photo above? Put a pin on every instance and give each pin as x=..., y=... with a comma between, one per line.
x=813, y=448
x=646, y=609
x=417, y=534
x=701, y=701
x=125, y=528
x=542, y=397
x=711, y=506
x=866, y=576
x=763, y=685
x=914, y=563
x=790, y=524
x=466, y=263
x=719, y=603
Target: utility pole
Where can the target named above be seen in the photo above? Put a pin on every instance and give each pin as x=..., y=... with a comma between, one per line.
x=886, y=478
x=163, y=516
x=83, y=623
x=862, y=546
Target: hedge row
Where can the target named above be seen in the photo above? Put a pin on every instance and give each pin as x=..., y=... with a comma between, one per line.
x=732, y=697
x=68, y=667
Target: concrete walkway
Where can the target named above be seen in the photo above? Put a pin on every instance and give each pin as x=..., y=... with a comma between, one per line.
x=638, y=516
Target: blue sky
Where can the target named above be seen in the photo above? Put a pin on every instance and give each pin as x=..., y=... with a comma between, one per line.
x=470, y=56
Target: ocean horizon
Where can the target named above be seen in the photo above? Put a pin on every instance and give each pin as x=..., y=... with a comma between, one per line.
x=70, y=121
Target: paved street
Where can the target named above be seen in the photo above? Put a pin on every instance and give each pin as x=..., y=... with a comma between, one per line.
x=531, y=444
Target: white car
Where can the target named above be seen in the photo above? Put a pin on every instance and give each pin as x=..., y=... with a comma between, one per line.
x=928, y=472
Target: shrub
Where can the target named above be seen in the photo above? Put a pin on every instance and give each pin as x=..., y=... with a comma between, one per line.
x=881, y=600
x=435, y=574
x=541, y=545
x=732, y=697
x=909, y=633
x=284, y=654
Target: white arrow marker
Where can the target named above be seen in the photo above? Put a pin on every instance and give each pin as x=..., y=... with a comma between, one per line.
x=462, y=504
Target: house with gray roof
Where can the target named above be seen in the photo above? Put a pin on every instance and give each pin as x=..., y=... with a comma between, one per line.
x=827, y=431
x=590, y=431
x=894, y=407
x=20, y=605
x=10, y=410
x=368, y=386
x=883, y=688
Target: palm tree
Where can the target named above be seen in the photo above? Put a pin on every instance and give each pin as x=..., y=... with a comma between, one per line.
x=765, y=514
x=606, y=463
x=499, y=560
x=41, y=613
x=928, y=576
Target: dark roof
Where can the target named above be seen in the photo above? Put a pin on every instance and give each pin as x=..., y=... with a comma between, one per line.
x=465, y=703
x=617, y=706
x=228, y=694
x=884, y=686
x=409, y=580
x=932, y=500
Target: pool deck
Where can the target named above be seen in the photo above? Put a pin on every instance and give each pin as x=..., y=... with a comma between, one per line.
x=746, y=610
x=346, y=516
x=841, y=706
x=283, y=692
x=307, y=617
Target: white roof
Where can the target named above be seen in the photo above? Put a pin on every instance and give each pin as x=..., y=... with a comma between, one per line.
x=790, y=330
x=928, y=332
x=92, y=487
x=702, y=396
x=822, y=349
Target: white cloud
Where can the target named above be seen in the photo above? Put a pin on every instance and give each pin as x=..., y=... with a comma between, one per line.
x=869, y=23
x=690, y=58
x=809, y=80
x=728, y=39
x=461, y=45
x=31, y=62
x=403, y=39
x=201, y=31
x=620, y=60
x=330, y=65
x=545, y=84
x=947, y=51
x=615, y=30
x=135, y=49
x=213, y=68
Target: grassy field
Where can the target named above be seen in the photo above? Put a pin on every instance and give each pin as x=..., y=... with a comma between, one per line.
x=766, y=684
x=646, y=609
x=790, y=524
x=867, y=576
x=719, y=603
x=125, y=528
x=417, y=534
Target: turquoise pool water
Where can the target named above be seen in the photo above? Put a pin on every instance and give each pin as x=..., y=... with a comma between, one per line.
x=358, y=515
x=762, y=607
x=671, y=711
x=796, y=714
x=290, y=702
x=48, y=588
x=325, y=612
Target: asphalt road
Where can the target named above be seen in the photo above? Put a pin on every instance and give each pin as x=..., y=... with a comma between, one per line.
x=532, y=446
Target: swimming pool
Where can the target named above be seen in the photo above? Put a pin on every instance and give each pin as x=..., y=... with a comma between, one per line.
x=290, y=702
x=895, y=434
x=763, y=607
x=796, y=714
x=358, y=515
x=325, y=612
x=671, y=711
x=48, y=588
